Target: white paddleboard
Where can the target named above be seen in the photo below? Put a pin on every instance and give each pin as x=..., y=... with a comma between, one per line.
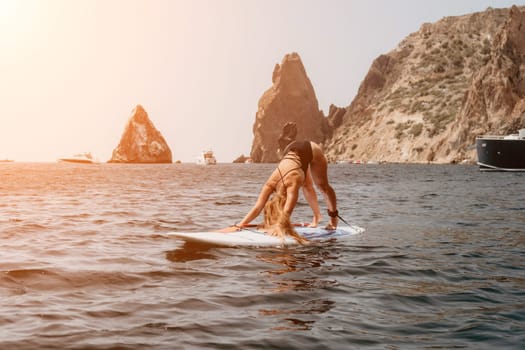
x=251, y=237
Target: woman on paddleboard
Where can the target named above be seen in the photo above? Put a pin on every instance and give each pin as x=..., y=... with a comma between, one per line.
x=303, y=164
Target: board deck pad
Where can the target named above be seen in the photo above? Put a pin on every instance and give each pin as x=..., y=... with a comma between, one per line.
x=251, y=237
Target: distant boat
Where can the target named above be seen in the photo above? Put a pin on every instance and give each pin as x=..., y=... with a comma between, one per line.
x=6, y=160
x=85, y=158
x=207, y=158
x=501, y=153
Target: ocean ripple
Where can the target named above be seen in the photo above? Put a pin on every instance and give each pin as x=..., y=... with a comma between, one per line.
x=86, y=262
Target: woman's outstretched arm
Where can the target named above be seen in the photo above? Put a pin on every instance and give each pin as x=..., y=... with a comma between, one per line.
x=266, y=191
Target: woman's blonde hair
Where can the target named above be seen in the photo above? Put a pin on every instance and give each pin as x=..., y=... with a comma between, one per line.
x=277, y=221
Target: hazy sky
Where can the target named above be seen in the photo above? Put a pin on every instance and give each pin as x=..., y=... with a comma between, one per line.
x=71, y=71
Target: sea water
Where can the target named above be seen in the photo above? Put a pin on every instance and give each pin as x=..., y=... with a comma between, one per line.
x=86, y=262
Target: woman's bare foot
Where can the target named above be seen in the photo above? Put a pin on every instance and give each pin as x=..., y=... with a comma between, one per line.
x=332, y=225
x=315, y=221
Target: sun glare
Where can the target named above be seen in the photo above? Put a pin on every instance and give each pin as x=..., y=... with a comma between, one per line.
x=17, y=15
x=7, y=11
x=20, y=22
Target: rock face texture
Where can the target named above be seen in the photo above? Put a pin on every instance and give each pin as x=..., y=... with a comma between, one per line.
x=291, y=98
x=495, y=100
x=141, y=142
x=427, y=100
x=241, y=159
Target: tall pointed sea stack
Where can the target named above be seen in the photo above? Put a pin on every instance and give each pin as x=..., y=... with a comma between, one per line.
x=290, y=99
x=141, y=142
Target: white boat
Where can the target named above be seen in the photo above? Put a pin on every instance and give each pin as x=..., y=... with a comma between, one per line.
x=207, y=158
x=85, y=158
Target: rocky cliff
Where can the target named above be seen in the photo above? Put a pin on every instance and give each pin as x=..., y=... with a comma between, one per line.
x=429, y=98
x=291, y=98
x=141, y=142
x=495, y=100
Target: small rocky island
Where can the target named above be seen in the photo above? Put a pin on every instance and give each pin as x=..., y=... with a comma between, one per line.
x=141, y=142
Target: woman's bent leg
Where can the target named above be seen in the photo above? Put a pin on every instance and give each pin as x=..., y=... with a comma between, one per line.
x=319, y=171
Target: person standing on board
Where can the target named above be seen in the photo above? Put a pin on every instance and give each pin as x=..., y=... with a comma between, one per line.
x=303, y=164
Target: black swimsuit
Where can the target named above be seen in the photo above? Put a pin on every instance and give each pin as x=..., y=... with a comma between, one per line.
x=304, y=150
